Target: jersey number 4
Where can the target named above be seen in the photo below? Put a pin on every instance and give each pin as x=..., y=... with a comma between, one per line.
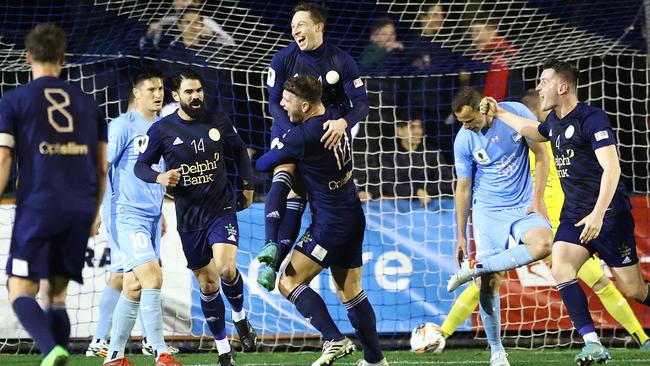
x=64, y=121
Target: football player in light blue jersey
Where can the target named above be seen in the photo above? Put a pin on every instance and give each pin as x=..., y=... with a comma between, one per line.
x=135, y=222
x=494, y=179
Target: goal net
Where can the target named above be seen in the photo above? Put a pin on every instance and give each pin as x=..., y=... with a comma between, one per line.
x=411, y=233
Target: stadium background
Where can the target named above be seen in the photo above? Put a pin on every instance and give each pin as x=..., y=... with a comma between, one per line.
x=409, y=248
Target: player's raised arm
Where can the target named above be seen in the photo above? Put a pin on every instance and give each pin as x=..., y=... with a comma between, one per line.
x=151, y=155
x=542, y=165
x=356, y=92
x=287, y=150
x=526, y=127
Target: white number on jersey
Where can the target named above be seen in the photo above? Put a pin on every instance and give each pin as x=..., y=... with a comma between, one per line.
x=198, y=146
x=59, y=126
x=343, y=152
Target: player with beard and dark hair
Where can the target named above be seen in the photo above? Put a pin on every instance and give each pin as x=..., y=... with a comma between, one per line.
x=192, y=142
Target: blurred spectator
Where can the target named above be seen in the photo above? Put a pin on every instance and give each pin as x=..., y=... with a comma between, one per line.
x=193, y=27
x=497, y=51
x=431, y=19
x=413, y=167
x=383, y=42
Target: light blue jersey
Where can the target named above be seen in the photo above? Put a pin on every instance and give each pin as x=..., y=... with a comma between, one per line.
x=496, y=158
x=127, y=138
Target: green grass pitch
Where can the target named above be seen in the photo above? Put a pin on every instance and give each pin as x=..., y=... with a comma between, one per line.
x=449, y=357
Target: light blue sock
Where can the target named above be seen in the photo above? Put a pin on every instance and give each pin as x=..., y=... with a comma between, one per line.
x=152, y=320
x=513, y=257
x=123, y=321
x=106, y=307
x=490, y=310
x=141, y=319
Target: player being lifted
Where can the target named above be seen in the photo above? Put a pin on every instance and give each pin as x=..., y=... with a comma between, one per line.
x=494, y=179
x=591, y=273
x=336, y=232
x=338, y=73
x=596, y=216
x=192, y=142
x=135, y=219
x=58, y=136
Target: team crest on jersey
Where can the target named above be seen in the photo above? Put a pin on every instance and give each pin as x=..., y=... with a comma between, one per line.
x=270, y=79
x=494, y=139
x=140, y=144
x=481, y=156
x=357, y=83
x=516, y=138
x=214, y=134
x=232, y=232
x=568, y=133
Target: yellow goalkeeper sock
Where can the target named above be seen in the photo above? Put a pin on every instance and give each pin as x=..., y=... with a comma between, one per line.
x=620, y=310
x=462, y=309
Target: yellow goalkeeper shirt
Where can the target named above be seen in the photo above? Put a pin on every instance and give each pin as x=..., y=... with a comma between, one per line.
x=553, y=194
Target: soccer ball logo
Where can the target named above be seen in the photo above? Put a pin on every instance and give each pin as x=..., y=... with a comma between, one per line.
x=427, y=337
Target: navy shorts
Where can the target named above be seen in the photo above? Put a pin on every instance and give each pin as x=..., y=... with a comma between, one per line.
x=615, y=244
x=45, y=244
x=197, y=245
x=330, y=249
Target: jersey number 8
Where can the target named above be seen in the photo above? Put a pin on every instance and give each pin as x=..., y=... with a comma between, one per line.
x=57, y=106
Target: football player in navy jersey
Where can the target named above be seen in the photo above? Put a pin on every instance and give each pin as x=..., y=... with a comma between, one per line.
x=342, y=88
x=58, y=137
x=192, y=142
x=336, y=233
x=596, y=216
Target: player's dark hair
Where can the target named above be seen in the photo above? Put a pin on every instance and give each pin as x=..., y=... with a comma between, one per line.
x=184, y=74
x=379, y=23
x=305, y=87
x=567, y=71
x=191, y=9
x=466, y=96
x=46, y=43
x=317, y=13
x=146, y=72
x=531, y=99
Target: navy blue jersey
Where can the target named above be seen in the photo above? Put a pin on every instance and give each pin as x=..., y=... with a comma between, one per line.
x=197, y=147
x=327, y=173
x=54, y=128
x=574, y=140
x=291, y=61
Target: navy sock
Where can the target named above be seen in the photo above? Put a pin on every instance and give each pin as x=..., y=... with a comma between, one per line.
x=35, y=322
x=214, y=311
x=362, y=318
x=312, y=307
x=234, y=292
x=275, y=204
x=576, y=302
x=290, y=228
x=57, y=317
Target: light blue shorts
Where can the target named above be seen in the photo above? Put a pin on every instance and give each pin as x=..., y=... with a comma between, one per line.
x=138, y=239
x=492, y=229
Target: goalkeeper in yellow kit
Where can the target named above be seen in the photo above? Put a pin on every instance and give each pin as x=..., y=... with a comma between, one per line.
x=591, y=273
